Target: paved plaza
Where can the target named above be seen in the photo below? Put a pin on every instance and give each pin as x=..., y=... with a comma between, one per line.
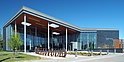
x=118, y=57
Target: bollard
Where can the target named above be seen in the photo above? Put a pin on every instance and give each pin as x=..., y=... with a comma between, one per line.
x=114, y=50
x=75, y=52
x=100, y=52
x=91, y=52
x=107, y=52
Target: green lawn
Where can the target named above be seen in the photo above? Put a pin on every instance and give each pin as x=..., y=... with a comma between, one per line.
x=8, y=57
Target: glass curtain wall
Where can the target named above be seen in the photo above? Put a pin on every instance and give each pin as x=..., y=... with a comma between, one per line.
x=88, y=40
x=106, y=38
x=73, y=41
x=8, y=35
x=35, y=37
x=57, y=41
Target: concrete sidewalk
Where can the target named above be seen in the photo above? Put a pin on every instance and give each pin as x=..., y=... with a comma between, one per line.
x=72, y=58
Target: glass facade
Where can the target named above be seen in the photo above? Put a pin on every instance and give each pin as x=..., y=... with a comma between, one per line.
x=37, y=37
x=8, y=31
x=99, y=39
x=105, y=38
x=88, y=40
x=73, y=41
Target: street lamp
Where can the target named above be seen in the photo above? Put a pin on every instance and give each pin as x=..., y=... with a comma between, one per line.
x=27, y=24
x=56, y=33
x=54, y=25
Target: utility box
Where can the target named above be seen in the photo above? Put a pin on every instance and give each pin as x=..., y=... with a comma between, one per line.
x=74, y=45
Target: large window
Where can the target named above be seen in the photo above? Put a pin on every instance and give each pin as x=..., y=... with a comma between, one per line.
x=88, y=40
x=106, y=37
x=8, y=35
x=35, y=37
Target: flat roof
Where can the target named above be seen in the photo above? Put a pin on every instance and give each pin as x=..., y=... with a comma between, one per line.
x=96, y=29
x=52, y=19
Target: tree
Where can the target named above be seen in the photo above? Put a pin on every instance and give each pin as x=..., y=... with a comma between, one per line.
x=1, y=41
x=1, y=45
x=14, y=42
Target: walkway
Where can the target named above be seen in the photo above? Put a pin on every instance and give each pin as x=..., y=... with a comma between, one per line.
x=71, y=58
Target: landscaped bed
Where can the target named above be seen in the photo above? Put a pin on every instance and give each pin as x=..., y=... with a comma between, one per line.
x=86, y=53
x=10, y=57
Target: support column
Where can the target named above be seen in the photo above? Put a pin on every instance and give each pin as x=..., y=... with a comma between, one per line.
x=30, y=44
x=66, y=39
x=35, y=33
x=15, y=27
x=48, y=36
x=87, y=41
x=25, y=33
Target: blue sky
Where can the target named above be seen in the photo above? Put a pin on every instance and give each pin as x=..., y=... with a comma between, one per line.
x=82, y=13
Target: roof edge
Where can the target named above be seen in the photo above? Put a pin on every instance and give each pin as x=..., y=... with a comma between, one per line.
x=39, y=13
x=99, y=29
x=11, y=19
x=50, y=17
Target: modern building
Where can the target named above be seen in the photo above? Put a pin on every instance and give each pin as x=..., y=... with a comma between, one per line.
x=98, y=38
x=40, y=30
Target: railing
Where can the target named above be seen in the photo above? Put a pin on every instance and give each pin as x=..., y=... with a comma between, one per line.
x=51, y=52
